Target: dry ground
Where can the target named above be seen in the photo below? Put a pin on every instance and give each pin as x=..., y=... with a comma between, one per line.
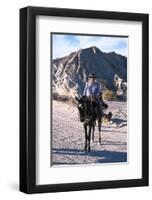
x=68, y=136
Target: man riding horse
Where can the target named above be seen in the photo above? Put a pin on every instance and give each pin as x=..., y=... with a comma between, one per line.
x=90, y=109
x=92, y=91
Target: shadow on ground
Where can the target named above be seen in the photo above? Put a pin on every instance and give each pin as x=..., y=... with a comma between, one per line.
x=119, y=122
x=103, y=156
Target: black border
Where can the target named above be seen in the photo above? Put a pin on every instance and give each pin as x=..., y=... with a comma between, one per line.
x=28, y=99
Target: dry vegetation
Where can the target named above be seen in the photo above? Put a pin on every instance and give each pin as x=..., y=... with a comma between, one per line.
x=109, y=95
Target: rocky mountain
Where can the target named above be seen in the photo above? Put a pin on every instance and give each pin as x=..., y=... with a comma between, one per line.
x=70, y=73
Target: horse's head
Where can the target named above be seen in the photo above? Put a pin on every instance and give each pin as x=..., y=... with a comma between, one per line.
x=81, y=107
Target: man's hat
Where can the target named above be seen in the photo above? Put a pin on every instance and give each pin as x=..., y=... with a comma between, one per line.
x=92, y=76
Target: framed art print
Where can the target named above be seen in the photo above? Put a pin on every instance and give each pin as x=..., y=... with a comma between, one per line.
x=83, y=99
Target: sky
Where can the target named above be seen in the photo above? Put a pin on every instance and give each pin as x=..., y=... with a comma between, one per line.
x=64, y=44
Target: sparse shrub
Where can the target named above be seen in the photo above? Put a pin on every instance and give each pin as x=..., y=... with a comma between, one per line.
x=55, y=96
x=63, y=98
x=109, y=95
x=59, y=97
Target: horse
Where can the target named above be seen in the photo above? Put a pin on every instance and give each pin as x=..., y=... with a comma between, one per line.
x=89, y=113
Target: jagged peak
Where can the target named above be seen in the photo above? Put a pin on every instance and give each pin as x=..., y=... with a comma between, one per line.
x=92, y=49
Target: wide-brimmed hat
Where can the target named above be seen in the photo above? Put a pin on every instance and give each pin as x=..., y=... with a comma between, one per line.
x=92, y=76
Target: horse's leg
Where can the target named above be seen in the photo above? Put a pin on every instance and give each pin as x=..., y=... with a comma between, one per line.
x=85, y=129
x=99, y=128
x=89, y=137
x=93, y=126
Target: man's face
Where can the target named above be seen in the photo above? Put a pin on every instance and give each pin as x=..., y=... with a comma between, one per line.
x=92, y=80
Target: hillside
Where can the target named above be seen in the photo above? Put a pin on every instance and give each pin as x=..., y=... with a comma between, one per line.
x=69, y=73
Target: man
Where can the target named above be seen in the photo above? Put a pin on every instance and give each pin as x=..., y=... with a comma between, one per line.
x=92, y=91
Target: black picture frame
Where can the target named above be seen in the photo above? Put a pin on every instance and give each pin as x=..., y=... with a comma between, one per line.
x=28, y=99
